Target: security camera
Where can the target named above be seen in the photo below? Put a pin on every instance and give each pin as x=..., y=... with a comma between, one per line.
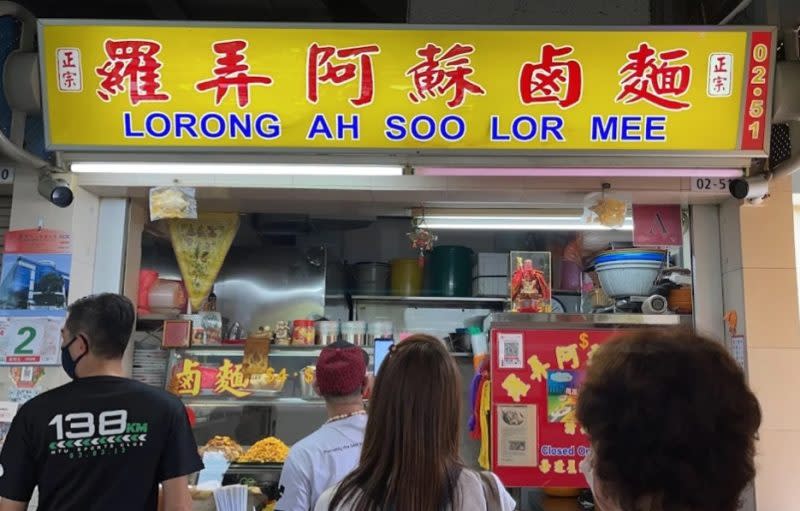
x=55, y=190
x=753, y=189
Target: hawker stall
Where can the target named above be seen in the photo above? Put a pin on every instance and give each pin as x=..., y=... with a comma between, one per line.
x=337, y=190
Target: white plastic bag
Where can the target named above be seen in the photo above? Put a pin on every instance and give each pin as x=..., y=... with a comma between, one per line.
x=172, y=202
x=606, y=208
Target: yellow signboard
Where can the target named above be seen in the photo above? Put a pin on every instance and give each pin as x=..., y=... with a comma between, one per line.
x=129, y=86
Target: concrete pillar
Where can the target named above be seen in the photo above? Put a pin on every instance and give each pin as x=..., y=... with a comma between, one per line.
x=28, y=211
x=760, y=283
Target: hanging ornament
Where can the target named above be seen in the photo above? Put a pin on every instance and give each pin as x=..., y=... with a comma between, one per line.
x=422, y=240
x=606, y=208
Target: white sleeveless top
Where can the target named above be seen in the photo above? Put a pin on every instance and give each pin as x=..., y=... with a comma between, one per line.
x=469, y=487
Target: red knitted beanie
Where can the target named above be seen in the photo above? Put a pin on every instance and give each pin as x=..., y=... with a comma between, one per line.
x=341, y=369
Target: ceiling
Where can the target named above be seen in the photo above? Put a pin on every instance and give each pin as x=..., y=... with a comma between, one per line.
x=688, y=12
x=354, y=11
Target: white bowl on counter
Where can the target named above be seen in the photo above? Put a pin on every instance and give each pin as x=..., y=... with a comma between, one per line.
x=629, y=278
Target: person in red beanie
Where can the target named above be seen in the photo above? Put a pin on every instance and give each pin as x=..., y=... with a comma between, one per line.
x=325, y=457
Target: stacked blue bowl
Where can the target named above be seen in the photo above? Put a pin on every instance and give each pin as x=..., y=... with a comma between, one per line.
x=629, y=272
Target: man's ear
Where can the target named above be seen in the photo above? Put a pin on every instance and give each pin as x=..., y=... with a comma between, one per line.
x=367, y=386
x=85, y=342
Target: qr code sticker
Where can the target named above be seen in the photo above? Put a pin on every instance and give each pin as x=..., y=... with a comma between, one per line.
x=510, y=352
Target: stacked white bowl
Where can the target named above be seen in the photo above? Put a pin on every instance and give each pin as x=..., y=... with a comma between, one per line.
x=629, y=272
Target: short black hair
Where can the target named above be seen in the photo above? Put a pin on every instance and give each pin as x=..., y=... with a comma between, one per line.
x=106, y=319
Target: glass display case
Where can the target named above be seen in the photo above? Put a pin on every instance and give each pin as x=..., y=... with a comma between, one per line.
x=211, y=383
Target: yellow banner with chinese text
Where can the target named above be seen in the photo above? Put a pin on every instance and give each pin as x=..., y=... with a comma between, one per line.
x=424, y=89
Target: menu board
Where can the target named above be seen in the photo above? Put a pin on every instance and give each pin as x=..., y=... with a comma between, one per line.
x=536, y=374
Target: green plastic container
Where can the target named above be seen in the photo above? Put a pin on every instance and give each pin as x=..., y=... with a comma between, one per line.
x=449, y=270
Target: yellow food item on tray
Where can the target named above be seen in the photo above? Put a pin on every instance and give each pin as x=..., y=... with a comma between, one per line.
x=270, y=380
x=225, y=445
x=268, y=450
x=309, y=372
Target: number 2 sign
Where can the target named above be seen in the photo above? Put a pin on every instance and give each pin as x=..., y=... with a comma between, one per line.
x=30, y=341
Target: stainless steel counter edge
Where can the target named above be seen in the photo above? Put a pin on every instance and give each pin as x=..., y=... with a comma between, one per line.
x=577, y=321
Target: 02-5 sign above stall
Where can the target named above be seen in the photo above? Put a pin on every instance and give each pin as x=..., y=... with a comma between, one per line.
x=121, y=86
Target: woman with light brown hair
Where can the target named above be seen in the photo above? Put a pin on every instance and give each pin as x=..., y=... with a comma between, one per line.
x=410, y=458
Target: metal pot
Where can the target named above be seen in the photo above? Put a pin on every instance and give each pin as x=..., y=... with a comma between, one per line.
x=307, y=391
x=370, y=279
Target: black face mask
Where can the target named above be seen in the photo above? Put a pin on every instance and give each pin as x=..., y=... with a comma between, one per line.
x=67, y=363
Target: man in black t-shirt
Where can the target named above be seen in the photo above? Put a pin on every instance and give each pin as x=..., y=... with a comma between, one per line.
x=102, y=442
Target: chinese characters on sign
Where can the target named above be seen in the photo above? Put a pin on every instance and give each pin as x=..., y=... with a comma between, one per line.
x=657, y=78
x=411, y=89
x=720, y=74
x=192, y=379
x=340, y=66
x=189, y=379
x=70, y=74
x=231, y=379
x=232, y=71
x=133, y=61
x=551, y=80
x=440, y=72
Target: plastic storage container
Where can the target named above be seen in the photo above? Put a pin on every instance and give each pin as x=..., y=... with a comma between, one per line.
x=490, y=276
x=327, y=332
x=166, y=294
x=147, y=278
x=406, y=277
x=354, y=332
x=304, y=332
x=450, y=270
x=379, y=329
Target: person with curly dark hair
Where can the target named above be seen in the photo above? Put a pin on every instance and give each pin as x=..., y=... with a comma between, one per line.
x=672, y=423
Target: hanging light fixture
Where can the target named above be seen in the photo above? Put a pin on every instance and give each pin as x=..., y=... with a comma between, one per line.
x=221, y=169
x=510, y=220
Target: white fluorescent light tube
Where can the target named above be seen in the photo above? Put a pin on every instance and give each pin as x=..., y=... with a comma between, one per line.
x=242, y=169
x=517, y=223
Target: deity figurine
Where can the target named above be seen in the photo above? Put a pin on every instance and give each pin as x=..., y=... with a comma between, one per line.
x=530, y=291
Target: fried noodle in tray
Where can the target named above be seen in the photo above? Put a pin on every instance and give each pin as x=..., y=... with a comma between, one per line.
x=268, y=450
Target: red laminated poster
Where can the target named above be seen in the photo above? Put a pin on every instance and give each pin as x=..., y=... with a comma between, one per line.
x=177, y=334
x=657, y=226
x=38, y=241
x=536, y=440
